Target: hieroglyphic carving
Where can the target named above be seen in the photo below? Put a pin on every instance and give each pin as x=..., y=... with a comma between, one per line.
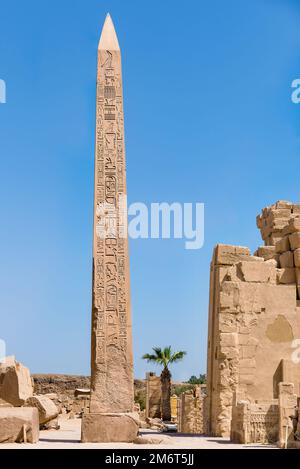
x=111, y=334
x=255, y=423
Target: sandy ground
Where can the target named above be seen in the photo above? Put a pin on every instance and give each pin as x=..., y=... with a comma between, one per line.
x=68, y=437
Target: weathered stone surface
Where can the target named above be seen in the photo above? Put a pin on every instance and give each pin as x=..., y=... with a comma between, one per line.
x=297, y=271
x=228, y=255
x=274, y=238
x=259, y=222
x=112, y=361
x=228, y=339
x=153, y=396
x=297, y=257
x=293, y=226
x=153, y=440
x=15, y=382
x=82, y=392
x=19, y=425
x=294, y=241
x=282, y=245
x=255, y=423
x=267, y=252
x=108, y=428
x=191, y=412
x=286, y=259
x=112, y=358
x=46, y=408
x=280, y=330
x=273, y=262
x=279, y=213
x=253, y=320
x=52, y=395
x=286, y=276
x=287, y=411
x=257, y=272
x=284, y=204
x=154, y=423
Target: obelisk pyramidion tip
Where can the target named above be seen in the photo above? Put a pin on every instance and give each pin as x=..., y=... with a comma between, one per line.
x=108, y=39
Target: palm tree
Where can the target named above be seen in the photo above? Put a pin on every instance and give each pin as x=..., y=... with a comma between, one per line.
x=164, y=358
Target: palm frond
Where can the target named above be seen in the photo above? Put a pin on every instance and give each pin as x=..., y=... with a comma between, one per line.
x=177, y=356
x=157, y=357
x=149, y=357
x=158, y=351
x=164, y=356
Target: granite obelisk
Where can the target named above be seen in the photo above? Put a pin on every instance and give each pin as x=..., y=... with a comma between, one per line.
x=112, y=398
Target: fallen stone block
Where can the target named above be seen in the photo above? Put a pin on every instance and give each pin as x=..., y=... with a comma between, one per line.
x=51, y=425
x=154, y=423
x=45, y=406
x=52, y=395
x=82, y=392
x=153, y=440
x=15, y=382
x=19, y=425
x=286, y=259
x=294, y=241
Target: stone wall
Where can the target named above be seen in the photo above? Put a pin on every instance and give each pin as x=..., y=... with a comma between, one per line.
x=253, y=317
x=153, y=396
x=255, y=423
x=190, y=409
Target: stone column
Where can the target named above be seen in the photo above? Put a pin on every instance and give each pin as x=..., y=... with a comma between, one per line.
x=112, y=395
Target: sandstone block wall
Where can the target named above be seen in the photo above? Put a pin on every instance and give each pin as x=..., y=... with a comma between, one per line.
x=255, y=423
x=153, y=396
x=253, y=317
x=190, y=412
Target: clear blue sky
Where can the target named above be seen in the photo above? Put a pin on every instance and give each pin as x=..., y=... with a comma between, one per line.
x=208, y=118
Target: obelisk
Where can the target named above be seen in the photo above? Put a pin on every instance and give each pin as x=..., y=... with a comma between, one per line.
x=112, y=399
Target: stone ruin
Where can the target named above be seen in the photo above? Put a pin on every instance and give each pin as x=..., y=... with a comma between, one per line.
x=22, y=413
x=254, y=317
x=187, y=409
x=153, y=396
x=191, y=411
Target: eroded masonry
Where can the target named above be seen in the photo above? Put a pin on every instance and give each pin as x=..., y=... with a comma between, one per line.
x=254, y=319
